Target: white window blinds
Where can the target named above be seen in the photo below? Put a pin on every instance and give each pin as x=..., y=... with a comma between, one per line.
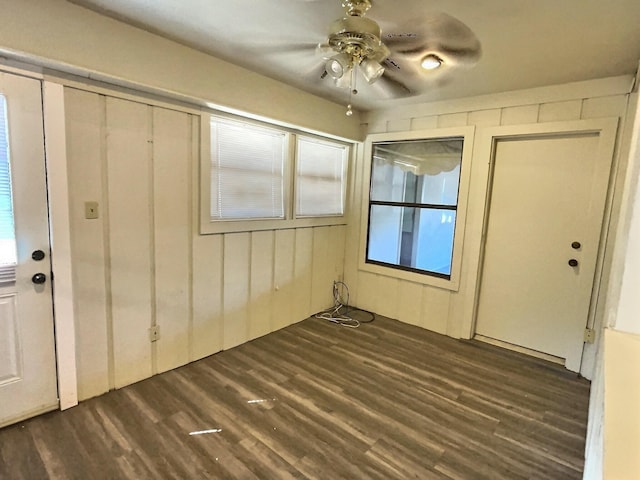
x=8, y=256
x=320, y=177
x=247, y=170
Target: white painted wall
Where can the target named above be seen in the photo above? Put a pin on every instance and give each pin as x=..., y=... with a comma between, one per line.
x=143, y=262
x=612, y=448
x=73, y=39
x=447, y=311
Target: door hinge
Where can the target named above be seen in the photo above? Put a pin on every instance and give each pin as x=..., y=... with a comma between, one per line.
x=154, y=333
x=589, y=335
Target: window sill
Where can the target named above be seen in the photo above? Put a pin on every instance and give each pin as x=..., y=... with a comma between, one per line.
x=414, y=277
x=234, y=226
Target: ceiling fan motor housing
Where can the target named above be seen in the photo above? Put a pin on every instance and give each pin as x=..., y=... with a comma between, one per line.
x=358, y=37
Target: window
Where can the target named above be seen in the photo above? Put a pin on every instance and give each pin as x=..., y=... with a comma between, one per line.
x=247, y=170
x=413, y=214
x=8, y=254
x=320, y=178
x=256, y=176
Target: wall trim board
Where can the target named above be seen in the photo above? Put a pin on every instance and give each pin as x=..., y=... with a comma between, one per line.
x=603, y=87
x=60, y=232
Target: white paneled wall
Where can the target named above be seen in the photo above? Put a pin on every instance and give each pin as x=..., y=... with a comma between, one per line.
x=433, y=308
x=142, y=263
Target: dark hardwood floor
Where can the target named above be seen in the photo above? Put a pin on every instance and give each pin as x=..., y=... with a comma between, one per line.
x=315, y=400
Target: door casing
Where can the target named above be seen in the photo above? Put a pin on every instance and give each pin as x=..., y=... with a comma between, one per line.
x=606, y=128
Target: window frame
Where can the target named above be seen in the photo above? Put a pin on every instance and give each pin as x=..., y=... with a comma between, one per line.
x=208, y=226
x=403, y=273
x=296, y=172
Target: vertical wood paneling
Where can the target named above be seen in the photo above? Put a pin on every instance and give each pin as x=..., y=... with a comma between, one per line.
x=283, y=279
x=207, y=333
x=85, y=135
x=172, y=229
x=338, y=238
x=452, y=120
x=260, y=302
x=128, y=161
x=378, y=125
x=424, y=123
x=323, y=272
x=367, y=291
x=613, y=106
x=352, y=229
x=520, y=115
x=401, y=125
x=301, y=301
x=559, y=111
x=485, y=118
x=410, y=303
x=237, y=265
x=435, y=309
x=387, y=296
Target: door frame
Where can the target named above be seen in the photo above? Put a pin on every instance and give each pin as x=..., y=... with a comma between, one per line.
x=59, y=230
x=605, y=128
x=55, y=146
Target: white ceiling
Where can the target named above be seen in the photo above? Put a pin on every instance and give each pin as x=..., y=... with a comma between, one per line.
x=525, y=43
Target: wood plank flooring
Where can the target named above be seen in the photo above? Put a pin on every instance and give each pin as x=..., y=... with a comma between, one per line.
x=319, y=401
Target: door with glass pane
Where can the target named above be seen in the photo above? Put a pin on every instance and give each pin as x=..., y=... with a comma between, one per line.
x=27, y=358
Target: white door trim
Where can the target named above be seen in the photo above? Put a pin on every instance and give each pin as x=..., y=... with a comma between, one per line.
x=60, y=234
x=606, y=128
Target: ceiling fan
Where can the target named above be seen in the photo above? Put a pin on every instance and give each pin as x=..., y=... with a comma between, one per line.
x=398, y=64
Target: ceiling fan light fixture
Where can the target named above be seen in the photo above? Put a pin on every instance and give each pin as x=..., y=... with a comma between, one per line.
x=431, y=62
x=345, y=81
x=338, y=65
x=371, y=70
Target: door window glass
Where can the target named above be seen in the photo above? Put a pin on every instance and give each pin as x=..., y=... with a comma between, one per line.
x=8, y=256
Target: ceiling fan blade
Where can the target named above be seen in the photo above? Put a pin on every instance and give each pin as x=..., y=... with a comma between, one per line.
x=289, y=47
x=438, y=33
x=390, y=87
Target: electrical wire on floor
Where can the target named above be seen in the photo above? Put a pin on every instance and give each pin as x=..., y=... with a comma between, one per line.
x=342, y=313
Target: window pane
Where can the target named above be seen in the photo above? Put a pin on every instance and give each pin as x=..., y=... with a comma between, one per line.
x=8, y=257
x=422, y=171
x=320, y=178
x=247, y=171
x=416, y=238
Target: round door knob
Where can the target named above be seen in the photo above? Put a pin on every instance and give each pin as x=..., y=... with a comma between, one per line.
x=573, y=262
x=37, y=255
x=39, y=278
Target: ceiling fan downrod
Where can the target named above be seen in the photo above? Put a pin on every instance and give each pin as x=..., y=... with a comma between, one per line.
x=356, y=8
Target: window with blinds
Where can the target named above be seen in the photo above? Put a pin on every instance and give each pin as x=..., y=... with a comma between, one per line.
x=257, y=176
x=320, y=177
x=247, y=170
x=8, y=255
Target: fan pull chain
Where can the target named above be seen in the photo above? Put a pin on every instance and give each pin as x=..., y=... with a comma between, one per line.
x=352, y=91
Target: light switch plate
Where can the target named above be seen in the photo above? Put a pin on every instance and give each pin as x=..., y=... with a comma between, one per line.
x=91, y=210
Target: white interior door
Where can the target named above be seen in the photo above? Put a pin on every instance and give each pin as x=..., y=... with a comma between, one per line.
x=541, y=245
x=27, y=358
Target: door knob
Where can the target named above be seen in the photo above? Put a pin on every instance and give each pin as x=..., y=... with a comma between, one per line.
x=37, y=255
x=575, y=245
x=39, y=278
x=573, y=262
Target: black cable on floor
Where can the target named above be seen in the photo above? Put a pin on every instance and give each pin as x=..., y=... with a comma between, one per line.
x=342, y=313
